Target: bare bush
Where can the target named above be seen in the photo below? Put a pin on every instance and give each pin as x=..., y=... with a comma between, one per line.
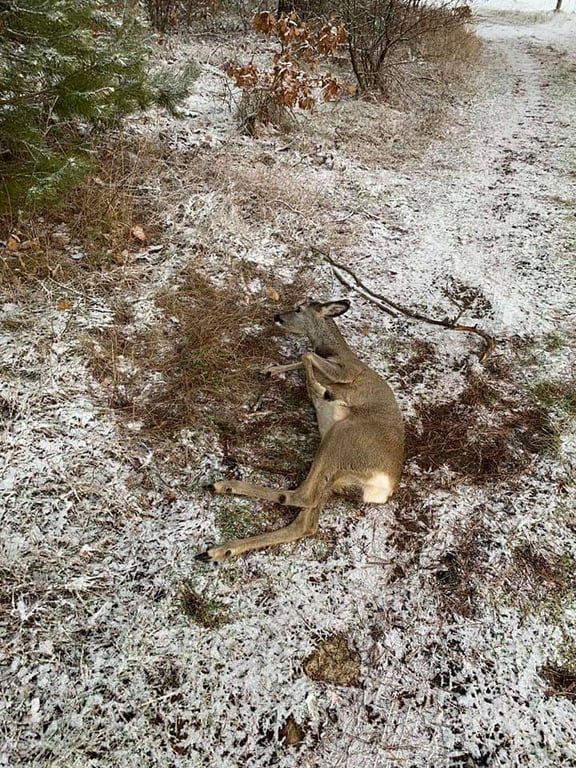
x=388, y=38
x=170, y=14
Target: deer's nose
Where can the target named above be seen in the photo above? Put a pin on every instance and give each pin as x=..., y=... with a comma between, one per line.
x=278, y=319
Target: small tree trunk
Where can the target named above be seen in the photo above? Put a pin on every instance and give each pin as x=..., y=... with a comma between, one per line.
x=558, y=6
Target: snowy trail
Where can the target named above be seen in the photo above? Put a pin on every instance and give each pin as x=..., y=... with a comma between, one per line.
x=489, y=204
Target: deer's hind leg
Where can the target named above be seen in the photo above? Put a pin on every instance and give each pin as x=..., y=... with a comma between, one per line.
x=325, y=470
x=308, y=494
x=305, y=524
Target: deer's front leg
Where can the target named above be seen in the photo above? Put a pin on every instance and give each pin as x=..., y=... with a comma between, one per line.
x=305, y=524
x=331, y=370
x=315, y=389
x=274, y=370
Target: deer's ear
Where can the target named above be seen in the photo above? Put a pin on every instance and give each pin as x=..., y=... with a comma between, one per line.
x=335, y=308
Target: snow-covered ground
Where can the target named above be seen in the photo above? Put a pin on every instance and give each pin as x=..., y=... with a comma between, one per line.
x=455, y=598
x=523, y=6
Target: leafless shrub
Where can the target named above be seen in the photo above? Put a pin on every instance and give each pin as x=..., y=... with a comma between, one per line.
x=390, y=40
x=260, y=107
x=171, y=14
x=306, y=9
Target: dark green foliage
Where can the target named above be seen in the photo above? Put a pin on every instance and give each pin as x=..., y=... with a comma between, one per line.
x=67, y=68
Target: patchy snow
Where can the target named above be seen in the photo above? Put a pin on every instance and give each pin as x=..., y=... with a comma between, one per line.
x=100, y=666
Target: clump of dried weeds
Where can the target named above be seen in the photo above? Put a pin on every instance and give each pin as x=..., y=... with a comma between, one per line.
x=200, y=366
x=481, y=435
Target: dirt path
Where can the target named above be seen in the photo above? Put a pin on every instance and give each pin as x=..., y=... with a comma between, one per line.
x=492, y=205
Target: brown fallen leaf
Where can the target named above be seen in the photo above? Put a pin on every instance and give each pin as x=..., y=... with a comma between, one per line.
x=63, y=305
x=138, y=233
x=13, y=242
x=273, y=294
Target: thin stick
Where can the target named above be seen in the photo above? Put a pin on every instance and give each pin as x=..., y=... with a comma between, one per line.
x=391, y=307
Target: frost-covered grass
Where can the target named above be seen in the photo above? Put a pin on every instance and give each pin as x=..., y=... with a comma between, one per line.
x=454, y=603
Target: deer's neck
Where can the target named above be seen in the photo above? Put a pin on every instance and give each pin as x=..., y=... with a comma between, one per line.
x=331, y=343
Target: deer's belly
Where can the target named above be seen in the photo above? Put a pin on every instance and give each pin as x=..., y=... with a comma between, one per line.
x=376, y=487
x=328, y=412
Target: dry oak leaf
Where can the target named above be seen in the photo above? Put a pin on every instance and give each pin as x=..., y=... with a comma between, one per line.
x=138, y=233
x=273, y=294
x=13, y=242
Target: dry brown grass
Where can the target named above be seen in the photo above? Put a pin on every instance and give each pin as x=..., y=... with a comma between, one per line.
x=261, y=189
x=35, y=262
x=214, y=347
x=92, y=230
x=561, y=681
x=452, y=47
x=536, y=575
x=200, y=367
x=412, y=520
x=528, y=576
x=462, y=568
x=480, y=436
x=103, y=210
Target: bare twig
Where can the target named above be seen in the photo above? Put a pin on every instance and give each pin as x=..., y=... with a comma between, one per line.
x=392, y=308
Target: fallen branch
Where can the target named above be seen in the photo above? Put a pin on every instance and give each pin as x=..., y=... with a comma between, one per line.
x=392, y=308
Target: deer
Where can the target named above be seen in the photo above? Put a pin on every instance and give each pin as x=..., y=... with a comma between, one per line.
x=360, y=424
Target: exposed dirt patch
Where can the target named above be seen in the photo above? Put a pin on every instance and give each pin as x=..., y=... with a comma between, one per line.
x=334, y=661
x=292, y=733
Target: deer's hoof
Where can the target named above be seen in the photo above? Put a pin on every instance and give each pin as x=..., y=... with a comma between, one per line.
x=205, y=558
x=214, y=555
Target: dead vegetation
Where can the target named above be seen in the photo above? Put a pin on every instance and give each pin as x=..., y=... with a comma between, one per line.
x=480, y=436
x=404, y=49
x=561, y=681
x=92, y=227
x=292, y=732
x=212, y=348
x=200, y=366
x=252, y=191
x=533, y=576
x=203, y=610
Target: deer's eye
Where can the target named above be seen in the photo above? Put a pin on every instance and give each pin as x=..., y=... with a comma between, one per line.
x=298, y=309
